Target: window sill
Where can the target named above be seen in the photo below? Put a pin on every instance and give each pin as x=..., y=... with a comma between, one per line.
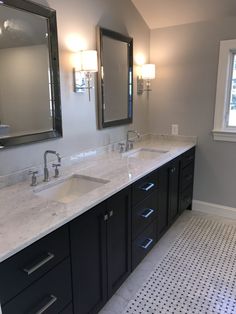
x=224, y=135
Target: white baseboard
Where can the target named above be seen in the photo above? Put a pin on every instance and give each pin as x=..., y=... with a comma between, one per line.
x=214, y=209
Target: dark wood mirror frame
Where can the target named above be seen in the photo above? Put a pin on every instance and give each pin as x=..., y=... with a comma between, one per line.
x=56, y=131
x=125, y=39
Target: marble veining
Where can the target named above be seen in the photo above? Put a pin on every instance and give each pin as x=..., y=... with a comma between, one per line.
x=26, y=217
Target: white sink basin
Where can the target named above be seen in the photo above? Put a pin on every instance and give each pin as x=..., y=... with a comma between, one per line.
x=69, y=189
x=145, y=153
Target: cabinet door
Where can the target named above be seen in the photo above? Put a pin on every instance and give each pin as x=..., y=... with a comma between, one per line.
x=88, y=253
x=118, y=240
x=173, y=190
x=162, y=218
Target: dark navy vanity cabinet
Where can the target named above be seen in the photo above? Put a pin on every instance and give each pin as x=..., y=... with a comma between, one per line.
x=101, y=252
x=78, y=267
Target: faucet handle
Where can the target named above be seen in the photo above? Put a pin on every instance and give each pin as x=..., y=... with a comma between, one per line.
x=58, y=157
x=56, y=169
x=130, y=144
x=34, y=177
x=122, y=147
x=33, y=172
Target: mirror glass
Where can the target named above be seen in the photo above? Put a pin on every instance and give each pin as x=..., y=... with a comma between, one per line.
x=29, y=87
x=115, y=78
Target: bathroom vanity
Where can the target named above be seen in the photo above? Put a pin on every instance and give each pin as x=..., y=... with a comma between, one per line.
x=70, y=256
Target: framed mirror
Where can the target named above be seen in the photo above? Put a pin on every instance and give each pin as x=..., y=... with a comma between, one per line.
x=115, y=78
x=30, y=108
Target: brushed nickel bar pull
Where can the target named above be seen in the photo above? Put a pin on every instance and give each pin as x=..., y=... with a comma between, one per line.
x=147, y=186
x=52, y=300
x=148, y=212
x=31, y=270
x=146, y=243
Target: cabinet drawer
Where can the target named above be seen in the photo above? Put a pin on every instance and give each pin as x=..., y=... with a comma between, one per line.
x=187, y=176
x=30, y=264
x=143, y=214
x=144, y=187
x=186, y=198
x=188, y=157
x=50, y=294
x=143, y=244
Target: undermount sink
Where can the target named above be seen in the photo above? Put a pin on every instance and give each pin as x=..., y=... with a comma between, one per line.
x=70, y=189
x=145, y=153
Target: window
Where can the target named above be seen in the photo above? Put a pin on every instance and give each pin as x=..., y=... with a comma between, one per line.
x=231, y=117
x=225, y=107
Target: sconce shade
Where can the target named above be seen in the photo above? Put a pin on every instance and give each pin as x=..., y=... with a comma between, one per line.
x=85, y=63
x=89, y=61
x=148, y=71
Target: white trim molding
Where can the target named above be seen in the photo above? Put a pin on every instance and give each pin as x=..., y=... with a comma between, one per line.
x=228, y=136
x=214, y=209
x=221, y=131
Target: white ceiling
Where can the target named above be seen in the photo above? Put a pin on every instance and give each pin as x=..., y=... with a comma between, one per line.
x=165, y=13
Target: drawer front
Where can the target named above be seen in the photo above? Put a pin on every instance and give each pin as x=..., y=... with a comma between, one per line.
x=50, y=294
x=186, y=198
x=144, y=187
x=143, y=244
x=30, y=264
x=68, y=310
x=188, y=157
x=187, y=176
x=143, y=214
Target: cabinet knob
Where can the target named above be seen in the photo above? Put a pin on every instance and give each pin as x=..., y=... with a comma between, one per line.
x=111, y=213
x=105, y=217
x=173, y=169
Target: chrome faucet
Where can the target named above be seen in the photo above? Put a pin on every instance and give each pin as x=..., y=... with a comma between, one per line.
x=46, y=172
x=130, y=142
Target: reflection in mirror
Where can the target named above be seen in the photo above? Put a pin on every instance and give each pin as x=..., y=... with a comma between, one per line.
x=29, y=86
x=115, y=78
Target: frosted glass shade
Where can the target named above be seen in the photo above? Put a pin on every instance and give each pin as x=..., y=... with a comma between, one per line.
x=148, y=71
x=89, y=61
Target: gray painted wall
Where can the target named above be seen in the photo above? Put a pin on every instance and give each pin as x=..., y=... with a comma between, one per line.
x=79, y=115
x=184, y=93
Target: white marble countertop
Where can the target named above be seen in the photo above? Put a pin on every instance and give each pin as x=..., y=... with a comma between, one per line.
x=26, y=217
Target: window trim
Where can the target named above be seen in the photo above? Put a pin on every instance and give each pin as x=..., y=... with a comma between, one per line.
x=221, y=131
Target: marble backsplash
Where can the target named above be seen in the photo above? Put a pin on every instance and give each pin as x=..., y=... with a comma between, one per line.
x=23, y=175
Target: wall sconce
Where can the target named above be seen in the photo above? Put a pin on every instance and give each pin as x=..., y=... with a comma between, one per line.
x=148, y=72
x=86, y=64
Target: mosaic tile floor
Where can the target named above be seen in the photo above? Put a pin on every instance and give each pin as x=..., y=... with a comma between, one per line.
x=197, y=275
